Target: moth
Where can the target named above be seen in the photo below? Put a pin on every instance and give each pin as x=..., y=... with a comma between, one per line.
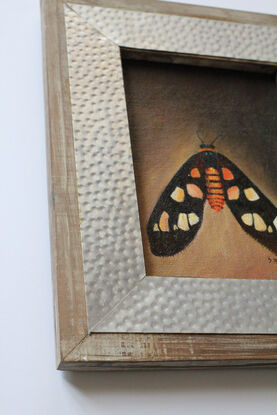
x=212, y=177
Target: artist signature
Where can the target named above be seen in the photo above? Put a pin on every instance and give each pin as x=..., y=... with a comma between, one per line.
x=272, y=260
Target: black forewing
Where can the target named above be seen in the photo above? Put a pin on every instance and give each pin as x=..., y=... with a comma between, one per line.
x=263, y=206
x=167, y=243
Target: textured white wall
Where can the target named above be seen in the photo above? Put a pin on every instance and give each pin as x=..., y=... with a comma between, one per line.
x=29, y=383
x=266, y=6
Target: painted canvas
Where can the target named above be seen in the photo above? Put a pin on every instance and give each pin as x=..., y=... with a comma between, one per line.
x=204, y=150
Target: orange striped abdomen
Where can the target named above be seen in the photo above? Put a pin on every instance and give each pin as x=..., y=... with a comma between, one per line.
x=215, y=193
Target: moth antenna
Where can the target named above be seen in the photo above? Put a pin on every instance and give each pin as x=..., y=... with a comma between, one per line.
x=216, y=138
x=198, y=135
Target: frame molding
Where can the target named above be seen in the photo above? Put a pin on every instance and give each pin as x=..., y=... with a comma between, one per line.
x=189, y=10
x=76, y=349
x=67, y=265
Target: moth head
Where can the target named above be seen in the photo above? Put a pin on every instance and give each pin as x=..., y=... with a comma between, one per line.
x=207, y=146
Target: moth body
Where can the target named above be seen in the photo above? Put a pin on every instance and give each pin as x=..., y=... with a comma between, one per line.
x=215, y=191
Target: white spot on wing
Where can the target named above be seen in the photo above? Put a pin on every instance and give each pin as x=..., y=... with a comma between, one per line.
x=178, y=194
x=275, y=222
x=259, y=223
x=251, y=194
x=270, y=230
x=193, y=218
x=183, y=222
x=247, y=218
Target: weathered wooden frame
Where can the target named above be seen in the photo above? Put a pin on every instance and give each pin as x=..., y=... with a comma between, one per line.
x=76, y=348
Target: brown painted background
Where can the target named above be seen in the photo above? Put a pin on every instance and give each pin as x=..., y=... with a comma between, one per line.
x=167, y=103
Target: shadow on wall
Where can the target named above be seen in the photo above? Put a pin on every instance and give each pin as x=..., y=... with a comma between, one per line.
x=191, y=383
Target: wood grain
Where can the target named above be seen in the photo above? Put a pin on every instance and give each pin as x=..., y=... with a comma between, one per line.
x=172, y=350
x=67, y=264
x=76, y=350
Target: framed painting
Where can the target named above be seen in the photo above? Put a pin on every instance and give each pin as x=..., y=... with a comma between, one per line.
x=161, y=127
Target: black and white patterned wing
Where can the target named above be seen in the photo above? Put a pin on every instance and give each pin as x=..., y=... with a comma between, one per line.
x=255, y=213
x=178, y=214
